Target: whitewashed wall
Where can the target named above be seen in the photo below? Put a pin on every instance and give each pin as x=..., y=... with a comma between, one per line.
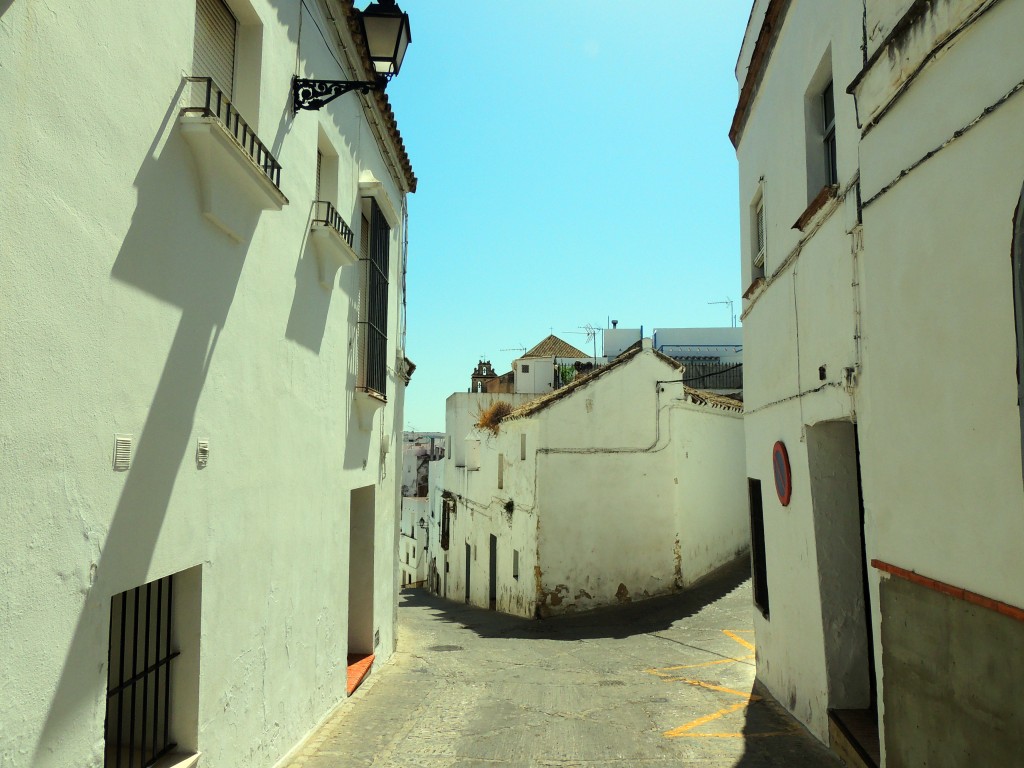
x=618, y=507
x=937, y=278
x=128, y=312
x=802, y=321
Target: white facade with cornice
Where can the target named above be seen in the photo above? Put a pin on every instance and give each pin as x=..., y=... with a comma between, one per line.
x=177, y=300
x=882, y=345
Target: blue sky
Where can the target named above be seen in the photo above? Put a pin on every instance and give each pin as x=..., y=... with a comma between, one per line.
x=574, y=166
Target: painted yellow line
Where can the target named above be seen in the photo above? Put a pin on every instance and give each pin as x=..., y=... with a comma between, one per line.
x=736, y=735
x=703, y=664
x=745, y=643
x=721, y=688
x=682, y=729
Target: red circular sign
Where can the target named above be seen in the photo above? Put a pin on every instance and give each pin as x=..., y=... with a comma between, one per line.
x=783, y=476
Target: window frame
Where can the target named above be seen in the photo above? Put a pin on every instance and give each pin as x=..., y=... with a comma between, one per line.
x=828, y=139
x=375, y=260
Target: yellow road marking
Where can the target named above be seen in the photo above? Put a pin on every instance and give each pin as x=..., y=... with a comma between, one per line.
x=745, y=643
x=723, y=689
x=729, y=660
x=686, y=730
x=682, y=729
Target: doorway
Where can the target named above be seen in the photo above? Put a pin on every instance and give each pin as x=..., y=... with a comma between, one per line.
x=833, y=459
x=493, y=602
x=360, y=584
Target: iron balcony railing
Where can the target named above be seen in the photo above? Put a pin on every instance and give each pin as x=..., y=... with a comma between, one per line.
x=209, y=101
x=328, y=215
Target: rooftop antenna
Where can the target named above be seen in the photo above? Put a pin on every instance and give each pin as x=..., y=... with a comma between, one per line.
x=591, y=333
x=732, y=315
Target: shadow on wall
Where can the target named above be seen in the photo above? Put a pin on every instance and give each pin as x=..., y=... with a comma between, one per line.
x=307, y=320
x=643, y=617
x=176, y=256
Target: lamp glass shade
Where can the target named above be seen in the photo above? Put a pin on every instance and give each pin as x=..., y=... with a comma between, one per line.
x=387, y=36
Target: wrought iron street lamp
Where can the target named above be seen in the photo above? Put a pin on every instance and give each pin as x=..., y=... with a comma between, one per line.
x=386, y=29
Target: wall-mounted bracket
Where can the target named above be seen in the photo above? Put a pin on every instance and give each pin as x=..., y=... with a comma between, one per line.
x=313, y=94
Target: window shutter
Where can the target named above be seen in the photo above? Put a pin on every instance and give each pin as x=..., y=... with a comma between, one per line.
x=215, y=44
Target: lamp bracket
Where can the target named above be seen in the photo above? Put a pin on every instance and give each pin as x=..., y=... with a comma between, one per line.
x=313, y=94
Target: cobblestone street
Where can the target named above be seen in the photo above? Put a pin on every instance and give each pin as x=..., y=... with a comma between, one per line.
x=667, y=682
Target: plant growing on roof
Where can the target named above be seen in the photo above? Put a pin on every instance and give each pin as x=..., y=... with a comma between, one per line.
x=490, y=418
x=566, y=373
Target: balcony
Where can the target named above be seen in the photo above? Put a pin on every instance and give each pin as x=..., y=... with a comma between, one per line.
x=238, y=175
x=332, y=240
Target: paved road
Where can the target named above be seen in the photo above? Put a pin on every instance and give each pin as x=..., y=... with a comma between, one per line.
x=666, y=682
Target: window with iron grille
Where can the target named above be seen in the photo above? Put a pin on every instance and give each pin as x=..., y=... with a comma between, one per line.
x=375, y=237
x=138, y=718
x=447, y=510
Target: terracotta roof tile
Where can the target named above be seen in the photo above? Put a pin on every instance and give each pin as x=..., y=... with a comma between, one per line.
x=696, y=396
x=553, y=346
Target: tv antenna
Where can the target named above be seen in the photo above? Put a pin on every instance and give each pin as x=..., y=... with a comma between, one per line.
x=732, y=316
x=590, y=332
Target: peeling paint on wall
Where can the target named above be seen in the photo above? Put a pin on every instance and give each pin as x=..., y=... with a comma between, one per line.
x=677, y=570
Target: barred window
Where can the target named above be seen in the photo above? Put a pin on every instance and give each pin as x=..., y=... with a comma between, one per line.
x=137, y=726
x=375, y=236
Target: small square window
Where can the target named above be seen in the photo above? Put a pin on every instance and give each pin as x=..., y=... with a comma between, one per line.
x=525, y=367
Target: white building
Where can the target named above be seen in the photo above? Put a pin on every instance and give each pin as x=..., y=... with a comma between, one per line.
x=881, y=167
x=549, y=365
x=419, y=451
x=621, y=485
x=199, y=480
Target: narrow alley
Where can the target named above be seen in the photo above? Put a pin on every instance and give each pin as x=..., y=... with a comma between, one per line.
x=665, y=682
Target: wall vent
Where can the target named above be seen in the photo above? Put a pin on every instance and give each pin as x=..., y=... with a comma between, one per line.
x=202, y=453
x=122, y=452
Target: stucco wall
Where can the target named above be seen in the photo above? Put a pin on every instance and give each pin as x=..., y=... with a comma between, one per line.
x=926, y=281
x=950, y=222
x=128, y=312
x=708, y=471
x=941, y=467
x=623, y=511
x=799, y=330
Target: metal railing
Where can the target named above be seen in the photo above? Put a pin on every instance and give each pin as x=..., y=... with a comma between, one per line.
x=328, y=215
x=701, y=374
x=138, y=715
x=209, y=101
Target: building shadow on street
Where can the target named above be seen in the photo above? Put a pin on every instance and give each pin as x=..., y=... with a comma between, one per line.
x=771, y=736
x=620, y=621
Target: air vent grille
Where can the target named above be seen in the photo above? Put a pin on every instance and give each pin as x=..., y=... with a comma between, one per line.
x=202, y=453
x=122, y=452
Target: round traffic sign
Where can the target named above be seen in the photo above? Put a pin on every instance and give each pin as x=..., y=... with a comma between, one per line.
x=783, y=475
